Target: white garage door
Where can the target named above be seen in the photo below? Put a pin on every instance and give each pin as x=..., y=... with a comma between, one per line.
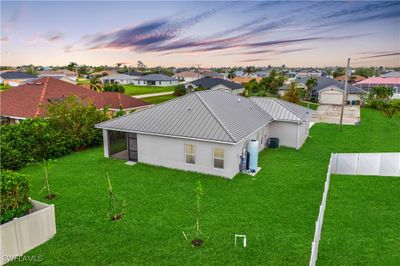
x=331, y=97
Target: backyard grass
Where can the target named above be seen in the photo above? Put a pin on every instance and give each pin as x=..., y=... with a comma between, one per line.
x=310, y=105
x=4, y=87
x=159, y=99
x=139, y=90
x=276, y=209
x=362, y=221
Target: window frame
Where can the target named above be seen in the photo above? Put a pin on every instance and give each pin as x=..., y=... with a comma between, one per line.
x=190, y=154
x=218, y=158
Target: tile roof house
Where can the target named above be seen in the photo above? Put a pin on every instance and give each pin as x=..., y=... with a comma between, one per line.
x=203, y=131
x=15, y=78
x=353, y=78
x=215, y=84
x=24, y=101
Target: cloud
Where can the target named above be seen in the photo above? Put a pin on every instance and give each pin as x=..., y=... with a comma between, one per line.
x=382, y=55
x=51, y=37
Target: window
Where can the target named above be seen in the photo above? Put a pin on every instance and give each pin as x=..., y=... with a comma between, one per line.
x=218, y=156
x=190, y=157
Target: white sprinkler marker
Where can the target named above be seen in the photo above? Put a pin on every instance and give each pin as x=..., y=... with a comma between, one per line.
x=244, y=237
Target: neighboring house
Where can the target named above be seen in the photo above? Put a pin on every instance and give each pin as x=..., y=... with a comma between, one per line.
x=330, y=91
x=212, y=74
x=205, y=131
x=102, y=73
x=239, y=73
x=134, y=73
x=15, y=78
x=309, y=73
x=215, y=84
x=159, y=80
x=393, y=83
x=123, y=79
x=61, y=73
x=291, y=121
x=187, y=76
x=261, y=74
x=352, y=79
x=391, y=74
x=24, y=101
x=244, y=80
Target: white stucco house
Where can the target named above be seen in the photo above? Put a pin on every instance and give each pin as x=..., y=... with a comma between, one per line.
x=122, y=79
x=215, y=84
x=291, y=122
x=203, y=131
x=159, y=80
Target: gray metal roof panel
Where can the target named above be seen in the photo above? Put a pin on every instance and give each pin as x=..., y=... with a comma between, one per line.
x=283, y=110
x=209, y=115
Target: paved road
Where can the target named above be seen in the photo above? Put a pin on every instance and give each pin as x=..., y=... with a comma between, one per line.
x=153, y=94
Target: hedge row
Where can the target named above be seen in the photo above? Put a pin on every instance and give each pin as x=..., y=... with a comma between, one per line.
x=14, y=195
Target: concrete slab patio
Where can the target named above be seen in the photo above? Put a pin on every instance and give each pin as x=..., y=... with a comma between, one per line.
x=331, y=114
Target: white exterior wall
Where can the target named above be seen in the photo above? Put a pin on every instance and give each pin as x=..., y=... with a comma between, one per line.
x=157, y=83
x=170, y=152
x=289, y=134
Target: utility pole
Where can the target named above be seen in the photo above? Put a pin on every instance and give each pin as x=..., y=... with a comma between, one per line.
x=346, y=81
x=198, y=71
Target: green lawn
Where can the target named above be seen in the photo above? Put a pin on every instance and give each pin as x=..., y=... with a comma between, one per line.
x=158, y=99
x=312, y=106
x=276, y=209
x=4, y=87
x=138, y=90
x=362, y=221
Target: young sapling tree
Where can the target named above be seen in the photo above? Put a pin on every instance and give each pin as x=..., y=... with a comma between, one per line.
x=46, y=165
x=199, y=193
x=115, y=211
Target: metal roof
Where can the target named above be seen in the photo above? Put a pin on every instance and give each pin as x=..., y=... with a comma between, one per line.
x=325, y=82
x=156, y=77
x=209, y=83
x=207, y=115
x=283, y=110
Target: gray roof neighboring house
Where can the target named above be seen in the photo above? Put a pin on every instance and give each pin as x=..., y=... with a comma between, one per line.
x=325, y=82
x=391, y=74
x=283, y=110
x=156, y=77
x=211, y=115
x=134, y=73
x=16, y=75
x=209, y=83
x=118, y=76
x=212, y=74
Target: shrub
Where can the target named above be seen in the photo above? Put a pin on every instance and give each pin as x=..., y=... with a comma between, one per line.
x=14, y=195
x=30, y=141
x=180, y=90
x=114, y=88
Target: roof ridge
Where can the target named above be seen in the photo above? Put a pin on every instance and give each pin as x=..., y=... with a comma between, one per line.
x=215, y=116
x=288, y=108
x=42, y=96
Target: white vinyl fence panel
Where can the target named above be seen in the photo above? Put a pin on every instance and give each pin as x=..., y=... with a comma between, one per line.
x=379, y=164
x=27, y=232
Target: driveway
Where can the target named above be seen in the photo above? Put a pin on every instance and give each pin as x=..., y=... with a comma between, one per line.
x=331, y=114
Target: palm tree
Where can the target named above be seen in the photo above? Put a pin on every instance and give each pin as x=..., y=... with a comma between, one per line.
x=95, y=84
x=311, y=83
x=231, y=73
x=249, y=70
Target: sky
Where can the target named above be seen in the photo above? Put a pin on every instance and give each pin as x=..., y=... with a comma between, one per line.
x=209, y=34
